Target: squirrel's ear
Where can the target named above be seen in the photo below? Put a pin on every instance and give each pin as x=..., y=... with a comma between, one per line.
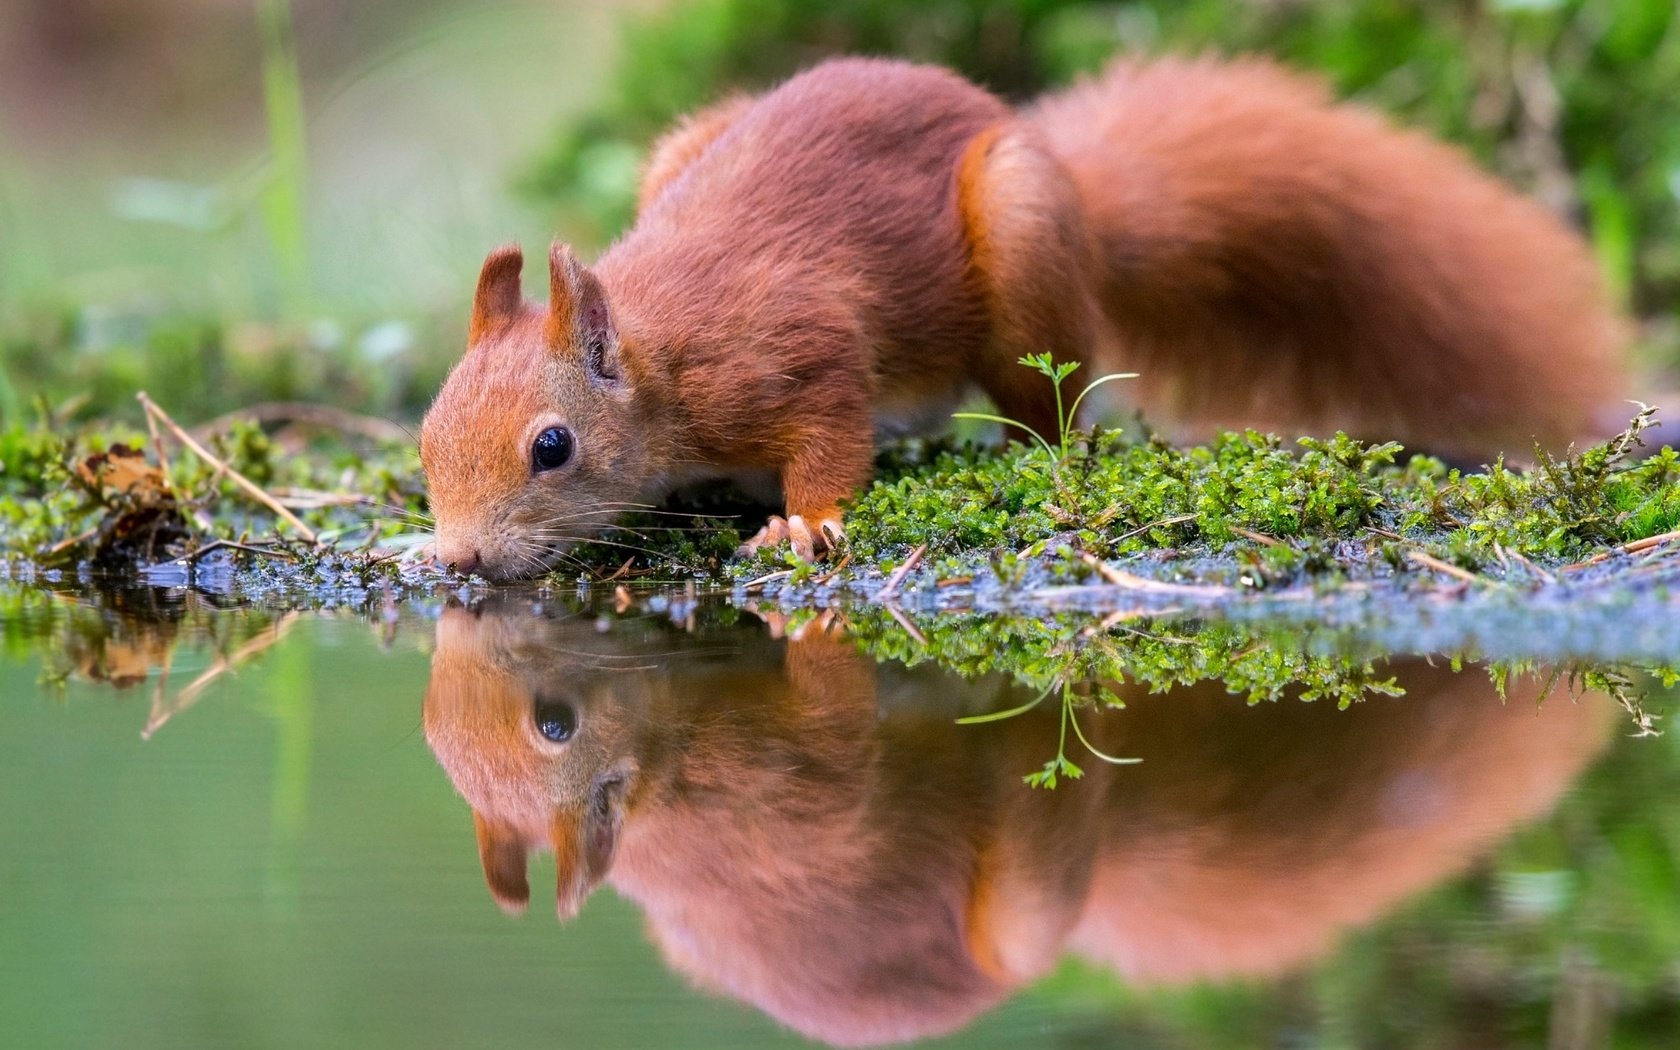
x=498, y=297
x=579, y=316
x=503, y=854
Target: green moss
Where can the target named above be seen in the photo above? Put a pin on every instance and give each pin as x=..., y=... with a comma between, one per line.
x=1254, y=510
x=1280, y=509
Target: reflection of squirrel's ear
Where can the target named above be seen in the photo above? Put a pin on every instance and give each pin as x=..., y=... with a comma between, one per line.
x=498, y=297
x=586, y=839
x=578, y=315
x=503, y=854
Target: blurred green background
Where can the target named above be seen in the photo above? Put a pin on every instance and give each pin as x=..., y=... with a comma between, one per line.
x=226, y=202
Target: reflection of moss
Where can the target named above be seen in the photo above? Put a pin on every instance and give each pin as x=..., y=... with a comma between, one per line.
x=1046, y=651
x=1084, y=660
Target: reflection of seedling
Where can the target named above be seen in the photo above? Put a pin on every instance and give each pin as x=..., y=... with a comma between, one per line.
x=1061, y=765
x=1056, y=373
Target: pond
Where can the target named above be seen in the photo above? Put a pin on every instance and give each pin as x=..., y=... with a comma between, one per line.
x=234, y=822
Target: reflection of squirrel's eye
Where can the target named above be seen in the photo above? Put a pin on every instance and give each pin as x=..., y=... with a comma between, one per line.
x=556, y=720
x=552, y=449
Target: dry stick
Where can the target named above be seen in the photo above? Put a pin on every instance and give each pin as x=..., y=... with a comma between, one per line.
x=1141, y=529
x=251, y=488
x=162, y=712
x=766, y=578
x=157, y=443
x=899, y=573
x=1627, y=548
x=1522, y=559
x=1429, y=561
x=1142, y=583
x=71, y=541
x=267, y=552
x=845, y=560
x=1117, y=617
x=905, y=622
x=1257, y=537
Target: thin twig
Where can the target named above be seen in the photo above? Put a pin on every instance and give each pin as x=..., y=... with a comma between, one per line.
x=221, y=665
x=1633, y=547
x=899, y=573
x=1141, y=529
x=157, y=444
x=251, y=488
x=766, y=578
x=1115, y=618
x=905, y=622
x=845, y=560
x=1257, y=537
x=72, y=541
x=250, y=548
x=1429, y=561
x=1522, y=559
x=1133, y=582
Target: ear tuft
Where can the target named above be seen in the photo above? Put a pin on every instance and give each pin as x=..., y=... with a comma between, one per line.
x=498, y=298
x=580, y=317
x=503, y=853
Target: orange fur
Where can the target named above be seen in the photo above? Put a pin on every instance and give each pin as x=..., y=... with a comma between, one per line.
x=810, y=833
x=845, y=255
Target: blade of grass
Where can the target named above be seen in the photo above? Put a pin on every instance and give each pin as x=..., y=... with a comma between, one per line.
x=283, y=196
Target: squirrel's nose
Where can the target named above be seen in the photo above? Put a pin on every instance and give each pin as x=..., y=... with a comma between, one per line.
x=461, y=559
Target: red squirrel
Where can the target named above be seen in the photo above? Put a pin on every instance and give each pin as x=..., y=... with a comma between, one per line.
x=810, y=832
x=847, y=255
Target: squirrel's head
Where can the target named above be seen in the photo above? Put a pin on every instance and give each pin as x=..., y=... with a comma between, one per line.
x=532, y=443
x=532, y=724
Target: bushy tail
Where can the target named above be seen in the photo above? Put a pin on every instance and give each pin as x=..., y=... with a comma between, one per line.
x=1271, y=258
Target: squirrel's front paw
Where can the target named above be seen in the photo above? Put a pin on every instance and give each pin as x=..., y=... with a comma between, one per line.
x=808, y=543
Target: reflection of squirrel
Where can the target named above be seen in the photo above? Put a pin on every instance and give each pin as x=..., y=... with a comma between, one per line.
x=845, y=255
x=813, y=835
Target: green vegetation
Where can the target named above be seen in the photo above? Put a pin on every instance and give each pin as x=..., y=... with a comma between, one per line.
x=1264, y=513
x=96, y=496
x=1280, y=511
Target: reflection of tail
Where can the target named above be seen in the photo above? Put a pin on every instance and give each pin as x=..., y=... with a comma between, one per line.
x=1296, y=847
x=1269, y=258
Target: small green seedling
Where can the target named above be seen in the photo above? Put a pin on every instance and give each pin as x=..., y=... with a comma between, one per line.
x=1057, y=374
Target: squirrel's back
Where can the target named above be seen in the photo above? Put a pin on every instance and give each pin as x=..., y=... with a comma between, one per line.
x=825, y=205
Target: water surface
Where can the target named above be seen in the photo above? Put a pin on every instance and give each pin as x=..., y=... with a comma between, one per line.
x=258, y=827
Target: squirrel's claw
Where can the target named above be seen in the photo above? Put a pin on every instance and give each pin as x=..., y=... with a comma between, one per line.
x=808, y=543
x=774, y=532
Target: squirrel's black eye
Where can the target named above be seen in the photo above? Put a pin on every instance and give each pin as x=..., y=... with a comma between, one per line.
x=556, y=720
x=552, y=449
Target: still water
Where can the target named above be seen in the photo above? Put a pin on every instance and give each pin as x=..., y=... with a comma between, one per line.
x=250, y=827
